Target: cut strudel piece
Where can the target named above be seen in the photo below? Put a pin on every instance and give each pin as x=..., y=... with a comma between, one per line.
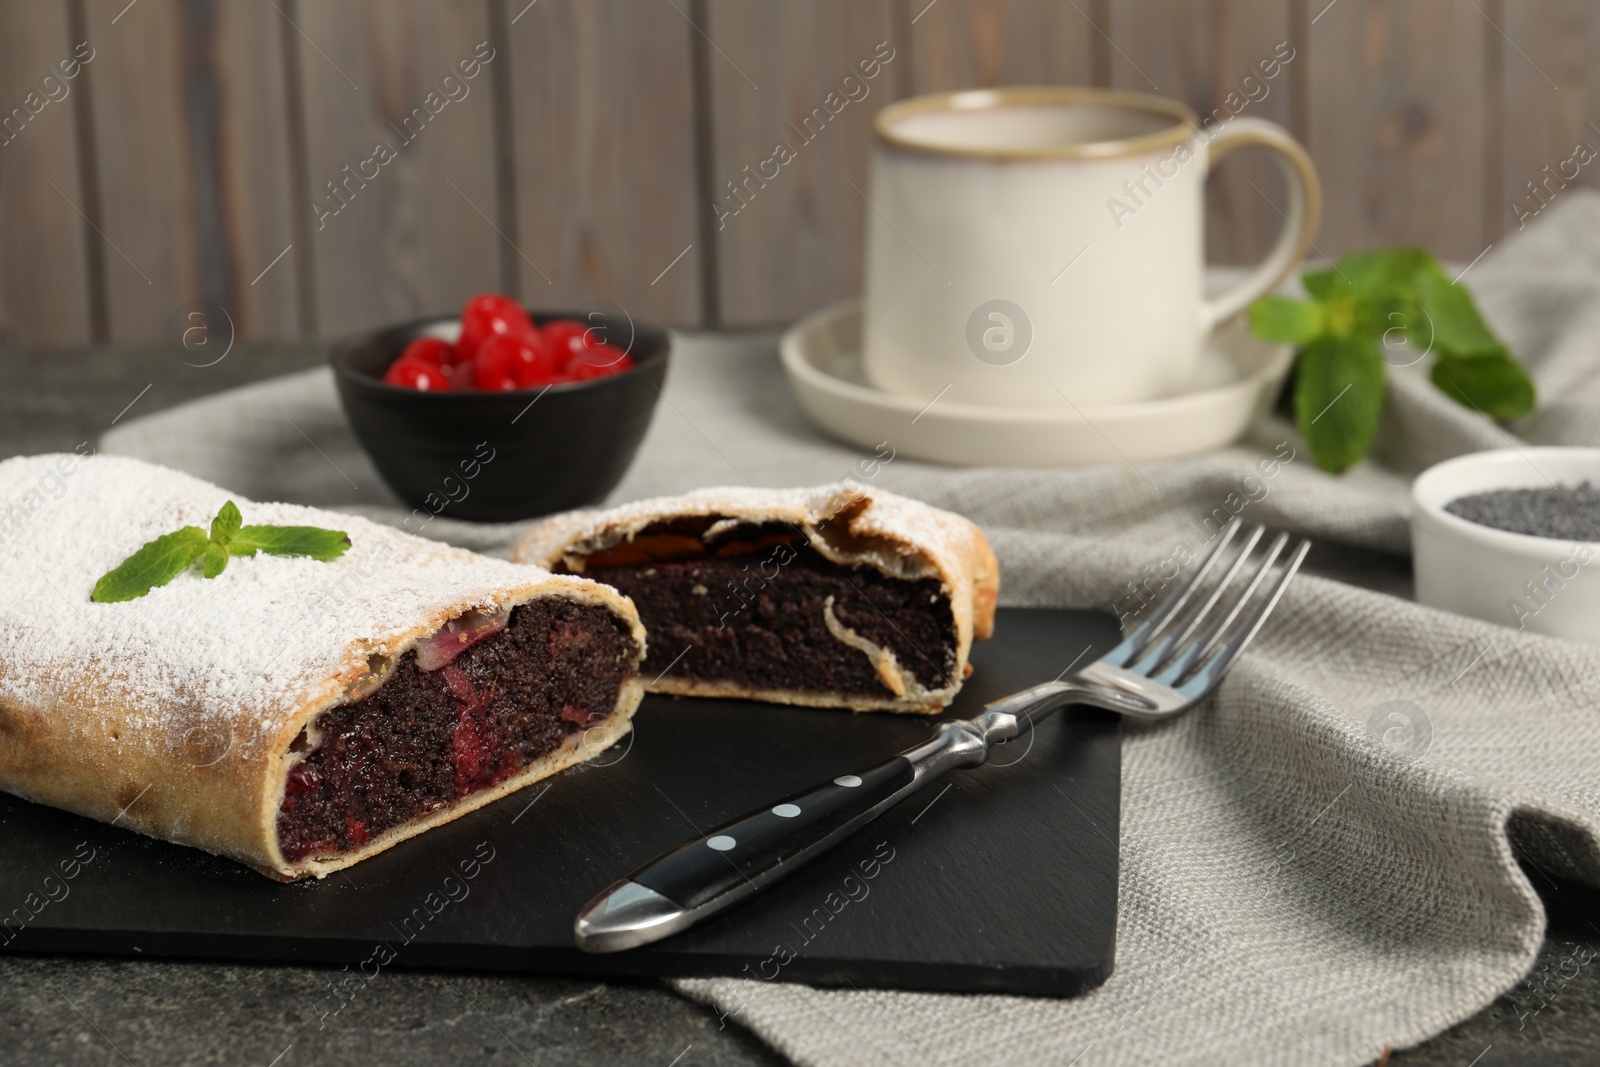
x=835, y=597
x=294, y=714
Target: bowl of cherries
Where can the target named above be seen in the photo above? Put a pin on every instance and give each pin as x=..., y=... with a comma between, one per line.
x=502, y=413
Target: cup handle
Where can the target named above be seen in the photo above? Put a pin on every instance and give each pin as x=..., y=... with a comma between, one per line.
x=1300, y=223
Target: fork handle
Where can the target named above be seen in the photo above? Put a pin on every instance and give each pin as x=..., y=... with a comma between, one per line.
x=723, y=866
x=739, y=856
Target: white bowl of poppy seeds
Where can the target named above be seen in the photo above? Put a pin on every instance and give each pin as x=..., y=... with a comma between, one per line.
x=1512, y=537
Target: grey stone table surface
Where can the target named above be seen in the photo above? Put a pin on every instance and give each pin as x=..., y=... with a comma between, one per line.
x=72, y=1010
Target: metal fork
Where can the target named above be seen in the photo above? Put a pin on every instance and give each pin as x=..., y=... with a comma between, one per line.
x=1166, y=665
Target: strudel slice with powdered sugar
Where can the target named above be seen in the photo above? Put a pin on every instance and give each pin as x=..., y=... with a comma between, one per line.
x=296, y=714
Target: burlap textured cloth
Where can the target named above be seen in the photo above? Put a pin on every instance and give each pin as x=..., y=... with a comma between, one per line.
x=1322, y=860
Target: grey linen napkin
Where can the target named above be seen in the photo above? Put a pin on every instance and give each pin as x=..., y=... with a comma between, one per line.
x=1306, y=877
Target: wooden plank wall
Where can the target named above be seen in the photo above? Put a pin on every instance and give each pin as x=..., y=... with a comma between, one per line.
x=320, y=166
x=47, y=263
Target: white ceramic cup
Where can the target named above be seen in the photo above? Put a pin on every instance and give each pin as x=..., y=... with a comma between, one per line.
x=1039, y=247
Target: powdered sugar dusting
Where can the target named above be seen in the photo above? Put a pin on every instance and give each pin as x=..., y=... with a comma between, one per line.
x=941, y=535
x=245, y=648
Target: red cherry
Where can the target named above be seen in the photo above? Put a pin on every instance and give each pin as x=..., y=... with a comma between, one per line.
x=579, y=371
x=612, y=358
x=431, y=350
x=525, y=360
x=500, y=360
x=491, y=369
x=565, y=337
x=303, y=779
x=599, y=361
x=459, y=376
x=488, y=314
x=534, y=366
x=415, y=374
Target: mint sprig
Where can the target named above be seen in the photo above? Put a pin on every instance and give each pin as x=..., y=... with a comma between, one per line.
x=158, y=562
x=1373, y=302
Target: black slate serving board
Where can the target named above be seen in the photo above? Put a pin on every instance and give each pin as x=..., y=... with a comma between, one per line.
x=1005, y=881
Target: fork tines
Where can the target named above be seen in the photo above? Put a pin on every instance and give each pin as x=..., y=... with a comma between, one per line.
x=1196, y=633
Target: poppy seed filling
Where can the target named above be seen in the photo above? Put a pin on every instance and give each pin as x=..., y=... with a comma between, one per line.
x=757, y=606
x=424, y=739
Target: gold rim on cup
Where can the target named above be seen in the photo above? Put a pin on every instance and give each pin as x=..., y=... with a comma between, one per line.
x=1184, y=123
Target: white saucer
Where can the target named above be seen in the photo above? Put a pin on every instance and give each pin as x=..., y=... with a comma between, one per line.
x=1239, y=380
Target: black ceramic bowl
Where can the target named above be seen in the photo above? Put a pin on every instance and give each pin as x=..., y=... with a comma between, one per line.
x=498, y=457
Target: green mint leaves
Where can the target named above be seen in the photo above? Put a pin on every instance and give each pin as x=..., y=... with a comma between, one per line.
x=226, y=524
x=1338, y=396
x=1369, y=304
x=161, y=560
x=289, y=541
x=157, y=563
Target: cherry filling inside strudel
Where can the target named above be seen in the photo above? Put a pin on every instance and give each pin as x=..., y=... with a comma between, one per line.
x=515, y=691
x=761, y=609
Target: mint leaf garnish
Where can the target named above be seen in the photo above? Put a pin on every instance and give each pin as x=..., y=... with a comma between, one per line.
x=214, y=560
x=226, y=524
x=1457, y=328
x=157, y=563
x=1295, y=322
x=310, y=541
x=1338, y=396
x=161, y=560
x=1495, y=385
x=1373, y=277
x=1396, y=297
x=1321, y=284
